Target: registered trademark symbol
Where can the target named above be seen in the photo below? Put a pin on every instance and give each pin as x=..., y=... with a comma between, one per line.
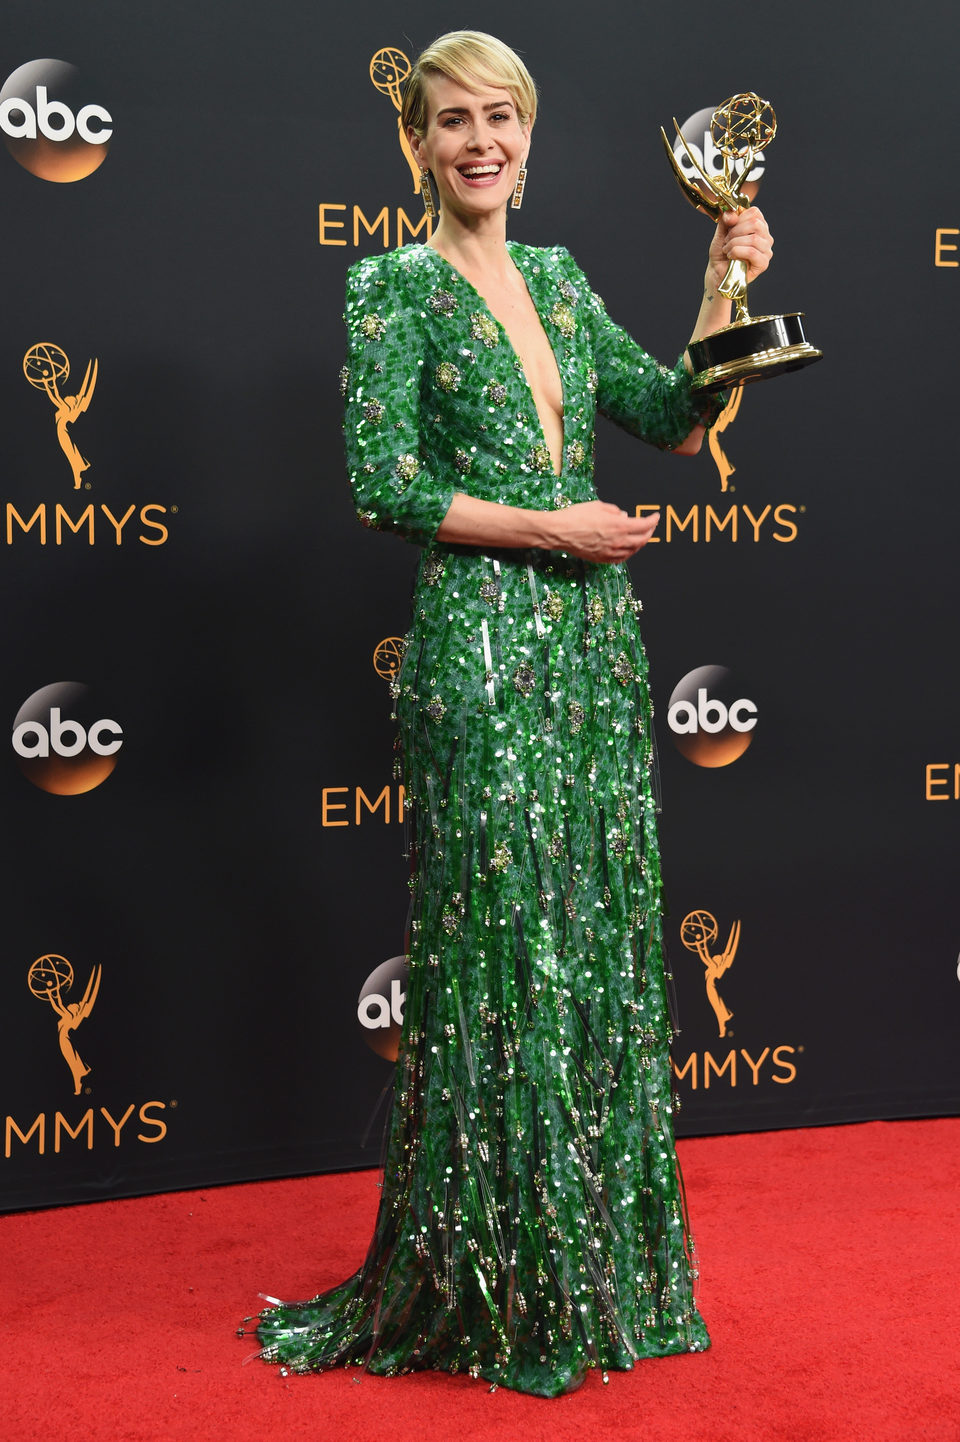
x=174, y=1103
x=87, y=1091
x=731, y=488
x=799, y=1048
x=803, y=510
x=88, y=485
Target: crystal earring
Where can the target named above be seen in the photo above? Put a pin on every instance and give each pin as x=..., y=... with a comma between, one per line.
x=426, y=195
x=517, y=199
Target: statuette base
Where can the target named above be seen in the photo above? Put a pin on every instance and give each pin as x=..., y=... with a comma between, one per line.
x=750, y=350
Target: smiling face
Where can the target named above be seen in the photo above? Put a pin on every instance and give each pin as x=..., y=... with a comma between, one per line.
x=473, y=144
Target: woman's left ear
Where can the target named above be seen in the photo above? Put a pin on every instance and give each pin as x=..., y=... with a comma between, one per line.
x=413, y=140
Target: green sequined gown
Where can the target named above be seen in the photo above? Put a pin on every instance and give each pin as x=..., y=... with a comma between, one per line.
x=532, y=1221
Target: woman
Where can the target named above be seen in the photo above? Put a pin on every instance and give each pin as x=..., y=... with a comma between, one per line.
x=532, y=1221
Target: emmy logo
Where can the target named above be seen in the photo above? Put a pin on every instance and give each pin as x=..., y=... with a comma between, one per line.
x=726, y=418
x=48, y=978
x=388, y=657
x=45, y=365
x=389, y=68
x=752, y=347
x=696, y=154
x=698, y=932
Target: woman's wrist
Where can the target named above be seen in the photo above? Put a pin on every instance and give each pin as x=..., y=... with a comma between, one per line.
x=715, y=309
x=544, y=530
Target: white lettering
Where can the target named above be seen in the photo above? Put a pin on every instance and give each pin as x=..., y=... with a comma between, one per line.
x=704, y=708
x=20, y=120
x=31, y=740
x=711, y=159
x=84, y=128
x=682, y=718
x=110, y=748
x=743, y=715
x=47, y=108
x=375, y=1011
x=26, y=129
x=58, y=729
x=378, y=1017
x=21, y=738
x=710, y=715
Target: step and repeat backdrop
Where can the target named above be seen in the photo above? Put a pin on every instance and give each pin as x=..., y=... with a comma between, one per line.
x=201, y=972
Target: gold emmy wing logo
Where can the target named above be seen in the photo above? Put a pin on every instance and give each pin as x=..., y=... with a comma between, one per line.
x=389, y=68
x=698, y=932
x=46, y=366
x=48, y=978
x=726, y=418
x=388, y=657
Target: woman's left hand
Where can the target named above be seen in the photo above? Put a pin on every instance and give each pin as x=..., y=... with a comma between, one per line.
x=743, y=237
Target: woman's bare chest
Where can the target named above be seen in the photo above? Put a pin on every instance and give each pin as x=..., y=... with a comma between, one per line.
x=516, y=313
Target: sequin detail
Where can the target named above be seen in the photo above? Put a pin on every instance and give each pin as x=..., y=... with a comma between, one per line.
x=372, y=327
x=443, y=303
x=432, y=570
x=538, y=459
x=497, y=393
x=452, y=914
x=553, y=606
x=524, y=678
x=407, y=467
x=374, y=411
x=484, y=328
x=447, y=376
x=563, y=318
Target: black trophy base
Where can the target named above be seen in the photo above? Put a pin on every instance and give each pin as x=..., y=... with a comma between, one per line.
x=750, y=350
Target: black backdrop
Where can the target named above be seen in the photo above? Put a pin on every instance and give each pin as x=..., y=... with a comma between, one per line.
x=228, y=883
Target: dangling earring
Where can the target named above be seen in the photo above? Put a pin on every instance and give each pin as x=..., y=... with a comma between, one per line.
x=426, y=195
x=517, y=199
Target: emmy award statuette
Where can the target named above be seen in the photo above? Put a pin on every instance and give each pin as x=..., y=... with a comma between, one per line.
x=751, y=347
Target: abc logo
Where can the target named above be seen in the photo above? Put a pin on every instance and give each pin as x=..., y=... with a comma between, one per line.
x=49, y=125
x=380, y=1006
x=61, y=743
x=710, y=722
x=698, y=135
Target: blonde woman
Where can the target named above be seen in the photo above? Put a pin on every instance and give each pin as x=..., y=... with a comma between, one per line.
x=532, y=1222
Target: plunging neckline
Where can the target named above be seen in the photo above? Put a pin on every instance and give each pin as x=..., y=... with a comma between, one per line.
x=511, y=246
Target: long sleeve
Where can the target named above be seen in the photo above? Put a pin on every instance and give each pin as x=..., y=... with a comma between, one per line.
x=393, y=489
x=634, y=390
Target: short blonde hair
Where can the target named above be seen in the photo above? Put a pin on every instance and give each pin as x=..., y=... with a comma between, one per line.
x=473, y=60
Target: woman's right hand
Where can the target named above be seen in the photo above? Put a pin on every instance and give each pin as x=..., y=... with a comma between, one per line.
x=598, y=531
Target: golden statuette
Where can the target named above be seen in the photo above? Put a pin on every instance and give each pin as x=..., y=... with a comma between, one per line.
x=751, y=347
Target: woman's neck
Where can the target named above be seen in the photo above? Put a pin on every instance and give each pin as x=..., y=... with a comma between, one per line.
x=479, y=249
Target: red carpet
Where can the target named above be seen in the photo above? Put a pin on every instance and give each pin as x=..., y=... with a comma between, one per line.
x=830, y=1272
